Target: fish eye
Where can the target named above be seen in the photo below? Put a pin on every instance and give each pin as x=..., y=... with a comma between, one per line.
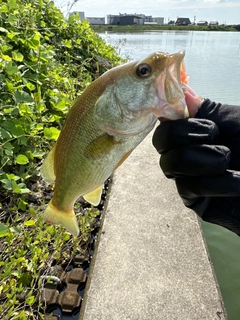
x=143, y=70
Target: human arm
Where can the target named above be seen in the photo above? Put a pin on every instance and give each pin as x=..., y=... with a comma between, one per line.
x=202, y=155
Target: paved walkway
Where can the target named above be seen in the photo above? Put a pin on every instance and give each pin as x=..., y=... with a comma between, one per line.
x=151, y=262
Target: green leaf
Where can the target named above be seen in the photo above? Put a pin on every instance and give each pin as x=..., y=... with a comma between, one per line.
x=12, y=176
x=68, y=43
x=22, y=96
x=38, y=154
x=22, y=315
x=11, y=4
x=3, y=230
x=40, y=106
x=5, y=57
x=51, y=133
x=4, y=134
x=29, y=223
x=9, y=85
x=8, y=148
x=22, y=159
x=3, y=8
x=11, y=68
x=7, y=184
x=61, y=104
x=17, y=56
x=29, y=154
x=24, y=190
x=25, y=109
x=30, y=86
x=16, y=129
x=16, y=188
x=5, y=47
x=34, y=41
x=30, y=300
x=22, y=204
x=22, y=140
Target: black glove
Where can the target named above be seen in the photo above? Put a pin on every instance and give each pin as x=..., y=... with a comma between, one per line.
x=202, y=154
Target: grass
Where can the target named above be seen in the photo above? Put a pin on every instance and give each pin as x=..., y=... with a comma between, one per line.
x=138, y=28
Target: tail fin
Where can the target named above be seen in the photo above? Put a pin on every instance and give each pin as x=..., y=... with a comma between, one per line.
x=66, y=219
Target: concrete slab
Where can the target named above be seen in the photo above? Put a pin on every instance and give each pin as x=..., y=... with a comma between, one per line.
x=151, y=262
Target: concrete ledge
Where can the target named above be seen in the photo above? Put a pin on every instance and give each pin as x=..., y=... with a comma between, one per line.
x=151, y=262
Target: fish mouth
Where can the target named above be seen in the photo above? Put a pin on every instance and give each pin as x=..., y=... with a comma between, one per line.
x=170, y=89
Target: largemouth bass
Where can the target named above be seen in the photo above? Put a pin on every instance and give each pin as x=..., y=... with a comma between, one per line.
x=105, y=124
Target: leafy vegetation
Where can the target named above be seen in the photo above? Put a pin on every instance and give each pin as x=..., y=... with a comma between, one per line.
x=46, y=61
x=237, y=27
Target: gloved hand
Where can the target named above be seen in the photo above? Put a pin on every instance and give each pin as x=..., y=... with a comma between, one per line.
x=202, y=154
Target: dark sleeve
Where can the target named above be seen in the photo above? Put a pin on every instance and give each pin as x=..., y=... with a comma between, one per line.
x=202, y=155
x=227, y=119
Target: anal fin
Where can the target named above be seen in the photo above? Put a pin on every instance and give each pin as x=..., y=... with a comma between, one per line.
x=94, y=196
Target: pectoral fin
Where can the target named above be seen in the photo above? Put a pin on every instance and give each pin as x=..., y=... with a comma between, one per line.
x=94, y=197
x=101, y=146
x=47, y=169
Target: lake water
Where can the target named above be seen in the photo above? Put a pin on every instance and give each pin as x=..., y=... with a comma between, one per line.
x=213, y=63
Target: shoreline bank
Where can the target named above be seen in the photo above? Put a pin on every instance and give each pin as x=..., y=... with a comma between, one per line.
x=136, y=28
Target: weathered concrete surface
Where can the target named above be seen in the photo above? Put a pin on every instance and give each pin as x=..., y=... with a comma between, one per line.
x=151, y=262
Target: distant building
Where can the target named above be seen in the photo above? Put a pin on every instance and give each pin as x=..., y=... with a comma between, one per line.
x=159, y=20
x=130, y=19
x=125, y=19
x=183, y=22
x=146, y=18
x=91, y=20
x=152, y=20
x=213, y=23
x=96, y=20
x=202, y=23
x=80, y=13
x=150, y=23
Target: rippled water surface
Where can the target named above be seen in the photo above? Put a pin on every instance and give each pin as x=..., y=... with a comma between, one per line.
x=212, y=58
x=213, y=63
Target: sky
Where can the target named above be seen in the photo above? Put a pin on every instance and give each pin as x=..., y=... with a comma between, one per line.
x=224, y=11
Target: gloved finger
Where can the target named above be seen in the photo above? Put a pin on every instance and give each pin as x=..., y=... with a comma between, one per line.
x=225, y=185
x=171, y=134
x=226, y=117
x=195, y=160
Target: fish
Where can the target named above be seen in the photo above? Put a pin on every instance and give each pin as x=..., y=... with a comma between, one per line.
x=105, y=124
